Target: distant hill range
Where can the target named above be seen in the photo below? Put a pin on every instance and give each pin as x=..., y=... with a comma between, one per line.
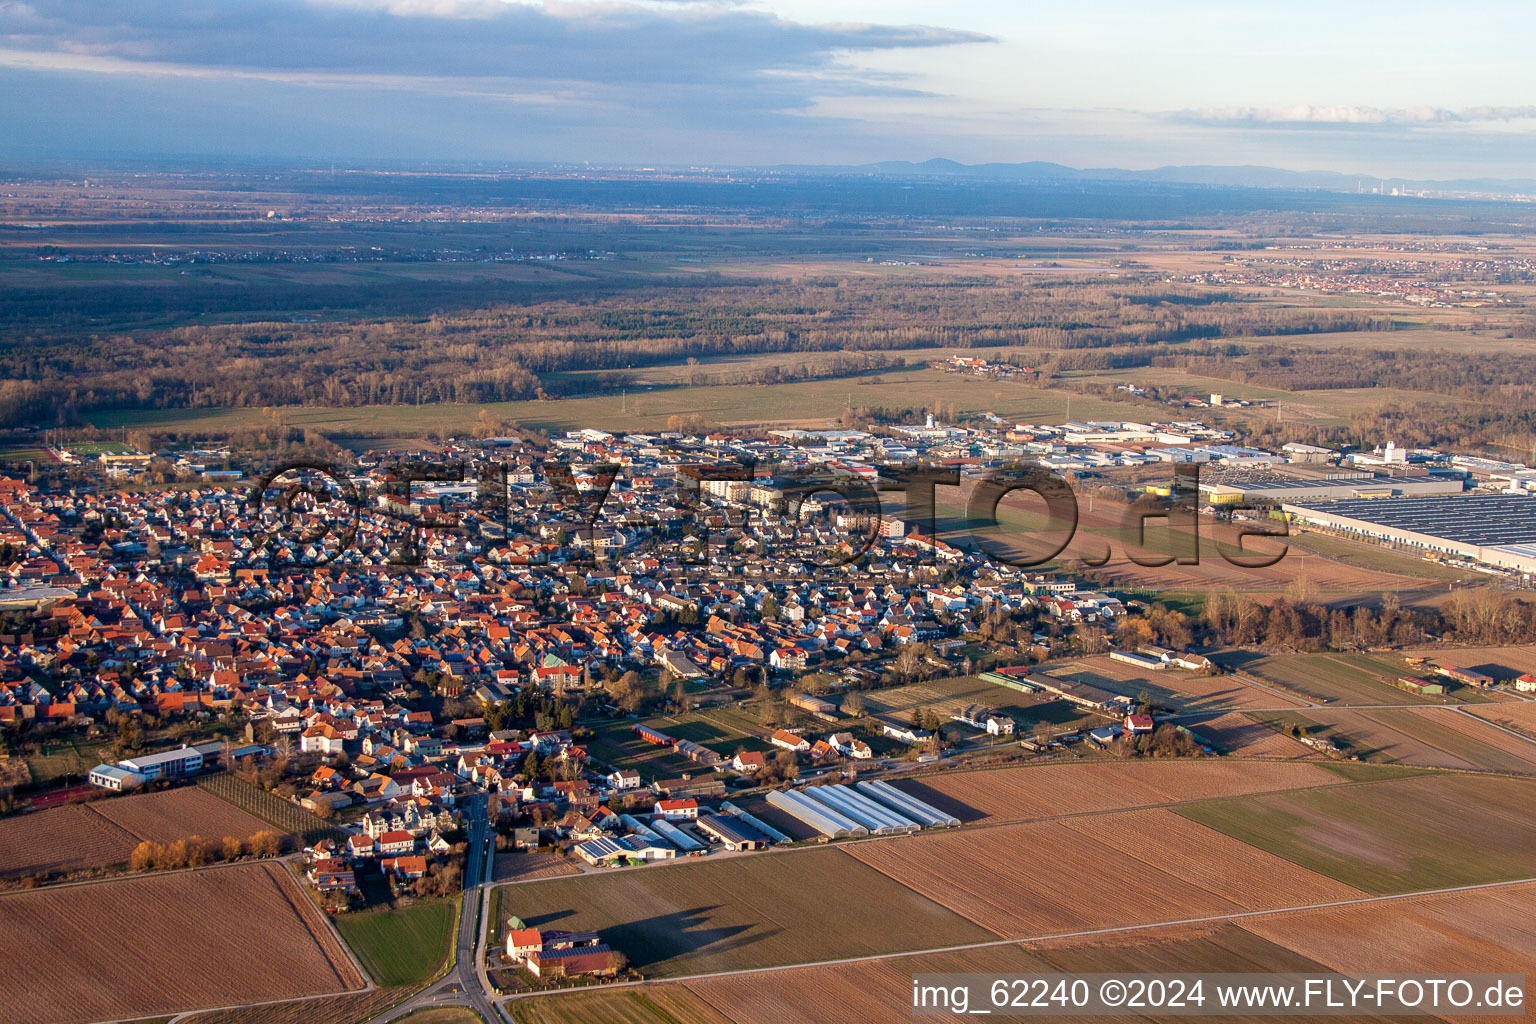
x=1244, y=176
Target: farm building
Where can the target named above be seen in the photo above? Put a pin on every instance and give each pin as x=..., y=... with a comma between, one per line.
x=605, y=852
x=830, y=823
x=676, y=836
x=876, y=818
x=1139, y=660
x=979, y=716
x=815, y=705
x=566, y=963
x=1465, y=676
x=758, y=825
x=650, y=735
x=907, y=804
x=1526, y=683
x=732, y=834
x=697, y=753
x=1012, y=677
x=1414, y=684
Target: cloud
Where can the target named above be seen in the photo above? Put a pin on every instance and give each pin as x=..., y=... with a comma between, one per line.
x=1349, y=115
x=600, y=43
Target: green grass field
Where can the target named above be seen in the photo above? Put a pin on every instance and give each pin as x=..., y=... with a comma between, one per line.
x=69, y=757
x=402, y=947
x=1426, y=832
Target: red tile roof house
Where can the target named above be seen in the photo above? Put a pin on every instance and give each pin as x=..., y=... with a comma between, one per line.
x=523, y=941
x=404, y=867
x=789, y=741
x=677, y=810
x=1137, y=724
x=396, y=842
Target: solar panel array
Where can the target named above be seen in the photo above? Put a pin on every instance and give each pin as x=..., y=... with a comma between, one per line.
x=1486, y=520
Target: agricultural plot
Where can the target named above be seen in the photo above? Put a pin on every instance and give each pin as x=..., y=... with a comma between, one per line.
x=943, y=696
x=1041, y=791
x=1519, y=716
x=185, y=953
x=285, y=816
x=1399, y=736
x=1462, y=736
x=1499, y=662
x=345, y=1009
x=68, y=838
x=1047, y=877
x=1243, y=736
x=1333, y=678
x=401, y=947
x=769, y=909
x=664, y=1004
x=874, y=991
x=177, y=814
x=1400, y=835
x=1486, y=930
x=527, y=865
x=1173, y=687
x=723, y=730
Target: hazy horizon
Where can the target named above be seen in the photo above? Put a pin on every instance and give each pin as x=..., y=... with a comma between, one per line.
x=1384, y=90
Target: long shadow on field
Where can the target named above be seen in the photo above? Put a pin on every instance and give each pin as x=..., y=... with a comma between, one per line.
x=948, y=804
x=652, y=940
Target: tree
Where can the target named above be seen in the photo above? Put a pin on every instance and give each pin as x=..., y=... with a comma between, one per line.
x=266, y=843
x=144, y=856
x=232, y=848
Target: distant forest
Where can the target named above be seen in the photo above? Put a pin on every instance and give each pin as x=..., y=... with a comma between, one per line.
x=503, y=353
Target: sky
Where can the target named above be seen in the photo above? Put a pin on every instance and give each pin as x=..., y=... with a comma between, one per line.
x=1402, y=89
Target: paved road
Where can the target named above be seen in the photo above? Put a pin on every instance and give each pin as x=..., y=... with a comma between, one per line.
x=466, y=984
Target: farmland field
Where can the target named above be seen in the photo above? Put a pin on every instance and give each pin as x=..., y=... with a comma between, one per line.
x=1047, y=877
x=1243, y=736
x=1040, y=791
x=68, y=838
x=1173, y=687
x=1335, y=678
x=518, y=866
x=287, y=817
x=401, y=947
x=1462, y=736
x=178, y=813
x=664, y=1004
x=1410, y=736
x=344, y=1009
x=1517, y=715
x=1399, y=835
x=714, y=915
x=186, y=952
x=1482, y=930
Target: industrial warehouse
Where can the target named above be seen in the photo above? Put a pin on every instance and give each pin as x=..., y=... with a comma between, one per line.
x=1495, y=529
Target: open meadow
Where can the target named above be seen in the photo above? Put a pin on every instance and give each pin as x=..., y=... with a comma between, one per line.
x=207, y=938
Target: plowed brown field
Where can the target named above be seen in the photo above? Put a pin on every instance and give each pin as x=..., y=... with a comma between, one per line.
x=1031, y=792
x=160, y=944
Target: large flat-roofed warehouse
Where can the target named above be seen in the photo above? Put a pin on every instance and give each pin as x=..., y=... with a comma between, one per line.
x=1343, y=486
x=1497, y=529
